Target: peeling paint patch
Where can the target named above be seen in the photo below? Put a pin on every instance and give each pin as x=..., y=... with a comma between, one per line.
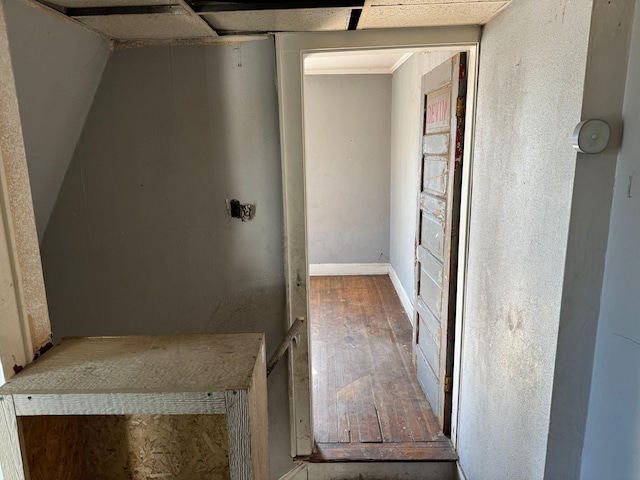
x=630, y=184
x=43, y=349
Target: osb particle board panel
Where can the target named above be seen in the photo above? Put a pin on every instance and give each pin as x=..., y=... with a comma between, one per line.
x=54, y=447
x=144, y=364
x=134, y=447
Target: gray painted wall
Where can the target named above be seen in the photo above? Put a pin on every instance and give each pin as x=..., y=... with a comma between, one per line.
x=57, y=67
x=613, y=426
x=139, y=241
x=347, y=134
x=593, y=185
x=531, y=82
x=405, y=160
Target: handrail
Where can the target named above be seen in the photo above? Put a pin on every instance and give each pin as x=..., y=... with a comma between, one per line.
x=284, y=345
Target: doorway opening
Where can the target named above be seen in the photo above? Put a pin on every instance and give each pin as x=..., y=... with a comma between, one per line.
x=290, y=51
x=382, y=216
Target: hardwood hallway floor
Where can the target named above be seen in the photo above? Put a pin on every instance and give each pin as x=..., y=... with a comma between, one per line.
x=368, y=404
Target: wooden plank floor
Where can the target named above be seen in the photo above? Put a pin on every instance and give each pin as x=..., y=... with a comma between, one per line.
x=368, y=404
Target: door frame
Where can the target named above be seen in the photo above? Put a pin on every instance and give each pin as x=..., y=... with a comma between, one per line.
x=290, y=51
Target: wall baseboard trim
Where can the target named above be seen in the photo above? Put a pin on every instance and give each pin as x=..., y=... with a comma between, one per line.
x=459, y=472
x=407, y=304
x=331, y=269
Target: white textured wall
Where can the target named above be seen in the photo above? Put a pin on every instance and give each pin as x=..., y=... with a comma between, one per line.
x=612, y=438
x=405, y=161
x=57, y=67
x=531, y=78
x=347, y=133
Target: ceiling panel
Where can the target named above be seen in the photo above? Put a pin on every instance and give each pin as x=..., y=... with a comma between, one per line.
x=428, y=15
x=297, y=20
x=108, y=3
x=155, y=26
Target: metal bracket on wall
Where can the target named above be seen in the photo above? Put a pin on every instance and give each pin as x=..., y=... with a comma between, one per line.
x=244, y=212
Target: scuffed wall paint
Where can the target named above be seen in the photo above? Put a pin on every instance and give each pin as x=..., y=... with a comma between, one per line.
x=140, y=240
x=347, y=134
x=530, y=90
x=57, y=67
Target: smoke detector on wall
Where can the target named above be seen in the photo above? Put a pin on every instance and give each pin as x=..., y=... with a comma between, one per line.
x=591, y=136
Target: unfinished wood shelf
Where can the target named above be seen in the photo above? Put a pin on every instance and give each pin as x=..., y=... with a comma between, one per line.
x=175, y=406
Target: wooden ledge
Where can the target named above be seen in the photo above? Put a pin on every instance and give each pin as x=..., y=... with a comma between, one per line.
x=437, y=451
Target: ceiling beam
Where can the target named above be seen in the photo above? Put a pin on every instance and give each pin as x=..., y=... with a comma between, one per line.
x=354, y=18
x=209, y=6
x=124, y=10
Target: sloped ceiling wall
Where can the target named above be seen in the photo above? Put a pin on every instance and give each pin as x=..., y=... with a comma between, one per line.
x=57, y=67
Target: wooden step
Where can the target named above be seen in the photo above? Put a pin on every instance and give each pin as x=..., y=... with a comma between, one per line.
x=438, y=451
x=382, y=471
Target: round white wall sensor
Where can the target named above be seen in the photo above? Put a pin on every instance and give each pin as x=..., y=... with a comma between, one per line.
x=591, y=136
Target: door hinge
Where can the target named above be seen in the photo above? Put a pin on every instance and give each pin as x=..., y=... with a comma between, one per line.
x=460, y=104
x=448, y=384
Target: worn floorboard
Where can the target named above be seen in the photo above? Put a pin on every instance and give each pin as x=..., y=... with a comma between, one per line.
x=368, y=405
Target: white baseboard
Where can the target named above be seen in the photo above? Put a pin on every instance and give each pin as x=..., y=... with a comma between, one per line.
x=330, y=269
x=459, y=472
x=407, y=304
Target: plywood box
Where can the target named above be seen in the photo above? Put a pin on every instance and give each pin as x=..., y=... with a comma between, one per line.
x=177, y=406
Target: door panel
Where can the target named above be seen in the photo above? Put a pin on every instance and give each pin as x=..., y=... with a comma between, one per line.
x=428, y=381
x=430, y=322
x=432, y=235
x=434, y=206
x=437, y=144
x=430, y=346
x=443, y=94
x=431, y=265
x=435, y=176
x=431, y=293
x=430, y=281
